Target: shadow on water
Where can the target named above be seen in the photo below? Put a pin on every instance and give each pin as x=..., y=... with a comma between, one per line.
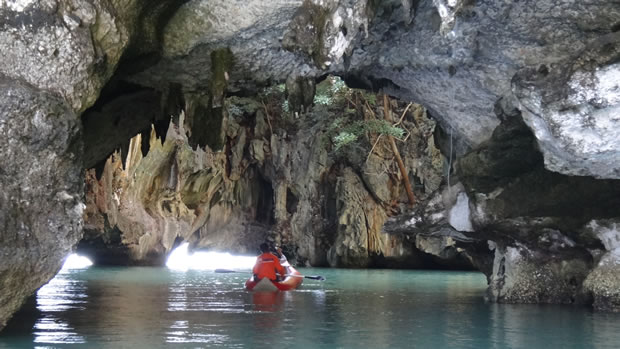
x=20, y=326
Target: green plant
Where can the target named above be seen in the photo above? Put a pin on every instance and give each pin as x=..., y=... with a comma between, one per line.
x=323, y=99
x=352, y=131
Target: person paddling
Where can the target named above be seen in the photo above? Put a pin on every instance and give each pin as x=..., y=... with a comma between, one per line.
x=267, y=264
x=281, y=256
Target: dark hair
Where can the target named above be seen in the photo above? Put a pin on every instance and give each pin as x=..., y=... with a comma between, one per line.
x=264, y=247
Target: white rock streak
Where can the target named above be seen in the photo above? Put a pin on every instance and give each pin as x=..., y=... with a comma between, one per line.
x=16, y=5
x=609, y=234
x=459, y=214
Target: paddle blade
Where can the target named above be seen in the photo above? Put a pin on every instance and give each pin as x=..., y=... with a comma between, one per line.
x=315, y=277
x=222, y=271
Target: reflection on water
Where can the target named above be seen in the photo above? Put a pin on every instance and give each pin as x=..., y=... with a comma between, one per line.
x=268, y=301
x=62, y=295
x=162, y=308
x=182, y=259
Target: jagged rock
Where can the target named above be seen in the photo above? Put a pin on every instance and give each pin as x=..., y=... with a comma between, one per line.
x=42, y=189
x=440, y=227
x=359, y=224
x=174, y=192
x=109, y=126
x=440, y=246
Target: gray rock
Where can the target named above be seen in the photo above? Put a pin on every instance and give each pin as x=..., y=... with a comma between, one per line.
x=464, y=55
x=573, y=110
x=521, y=275
x=68, y=47
x=42, y=189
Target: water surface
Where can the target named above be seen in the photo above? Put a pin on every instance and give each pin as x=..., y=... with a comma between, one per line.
x=160, y=308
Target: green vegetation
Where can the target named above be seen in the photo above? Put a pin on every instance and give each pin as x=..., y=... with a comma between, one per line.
x=356, y=124
x=357, y=120
x=344, y=132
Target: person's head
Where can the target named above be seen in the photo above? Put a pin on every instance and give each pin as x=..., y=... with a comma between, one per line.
x=264, y=247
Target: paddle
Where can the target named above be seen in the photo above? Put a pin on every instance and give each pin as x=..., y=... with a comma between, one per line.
x=222, y=271
x=312, y=277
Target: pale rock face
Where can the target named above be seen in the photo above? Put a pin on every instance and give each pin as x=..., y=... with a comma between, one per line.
x=459, y=214
x=16, y=5
x=579, y=133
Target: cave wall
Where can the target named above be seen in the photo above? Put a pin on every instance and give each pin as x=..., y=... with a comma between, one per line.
x=51, y=68
x=55, y=56
x=557, y=63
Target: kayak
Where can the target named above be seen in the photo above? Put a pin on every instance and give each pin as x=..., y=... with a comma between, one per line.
x=292, y=281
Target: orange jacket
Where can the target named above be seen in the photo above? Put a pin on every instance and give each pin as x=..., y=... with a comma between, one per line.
x=266, y=266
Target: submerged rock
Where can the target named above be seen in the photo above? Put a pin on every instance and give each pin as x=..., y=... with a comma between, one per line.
x=521, y=275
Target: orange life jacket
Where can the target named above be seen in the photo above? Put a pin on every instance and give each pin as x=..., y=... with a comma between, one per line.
x=266, y=266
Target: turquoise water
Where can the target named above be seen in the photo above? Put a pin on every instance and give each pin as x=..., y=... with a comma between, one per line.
x=161, y=308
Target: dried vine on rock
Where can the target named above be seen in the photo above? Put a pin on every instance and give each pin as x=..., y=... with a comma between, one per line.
x=399, y=160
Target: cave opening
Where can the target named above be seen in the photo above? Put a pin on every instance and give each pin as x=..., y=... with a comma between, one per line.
x=182, y=259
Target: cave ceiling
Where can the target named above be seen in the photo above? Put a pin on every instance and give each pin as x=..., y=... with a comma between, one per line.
x=457, y=58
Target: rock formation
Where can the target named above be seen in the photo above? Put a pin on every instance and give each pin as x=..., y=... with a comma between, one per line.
x=545, y=73
x=55, y=56
x=264, y=184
